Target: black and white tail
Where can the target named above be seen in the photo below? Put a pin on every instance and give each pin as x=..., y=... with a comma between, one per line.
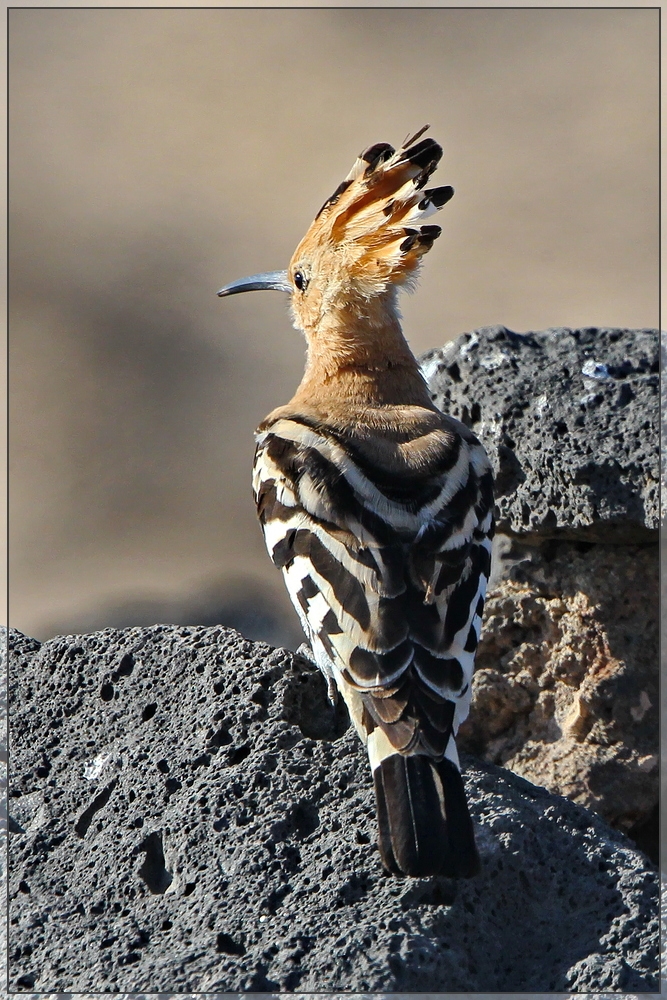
x=424, y=823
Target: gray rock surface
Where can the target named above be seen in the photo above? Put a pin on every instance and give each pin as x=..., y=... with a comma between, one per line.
x=663, y=428
x=335, y=996
x=187, y=814
x=566, y=687
x=3, y=809
x=570, y=419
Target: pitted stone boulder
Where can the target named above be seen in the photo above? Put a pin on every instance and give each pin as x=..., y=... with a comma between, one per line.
x=570, y=421
x=188, y=814
x=565, y=691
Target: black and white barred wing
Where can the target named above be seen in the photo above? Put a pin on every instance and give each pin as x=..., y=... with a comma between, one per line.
x=388, y=575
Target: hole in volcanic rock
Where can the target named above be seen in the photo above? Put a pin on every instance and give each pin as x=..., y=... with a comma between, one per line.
x=86, y=817
x=106, y=692
x=221, y=738
x=225, y=943
x=153, y=870
x=305, y=817
x=239, y=754
x=306, y=704
x=125, y=667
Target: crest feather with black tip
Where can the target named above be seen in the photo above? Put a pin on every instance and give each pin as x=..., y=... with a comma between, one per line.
x=373, y=220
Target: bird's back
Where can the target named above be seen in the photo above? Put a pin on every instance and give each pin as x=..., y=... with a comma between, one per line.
x=381, y=525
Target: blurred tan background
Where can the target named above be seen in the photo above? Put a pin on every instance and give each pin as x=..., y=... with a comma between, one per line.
x=156, y=154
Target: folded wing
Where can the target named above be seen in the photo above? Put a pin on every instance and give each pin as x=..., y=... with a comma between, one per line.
x=387, y=569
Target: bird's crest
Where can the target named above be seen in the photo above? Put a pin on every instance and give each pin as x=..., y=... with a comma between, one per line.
x=373, y=219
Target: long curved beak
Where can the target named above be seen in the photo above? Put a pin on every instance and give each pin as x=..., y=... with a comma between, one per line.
x=276, y=280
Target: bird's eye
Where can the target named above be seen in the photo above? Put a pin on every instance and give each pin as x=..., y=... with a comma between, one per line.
x=300, y=280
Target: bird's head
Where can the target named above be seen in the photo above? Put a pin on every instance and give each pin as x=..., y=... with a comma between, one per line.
x=367, y=239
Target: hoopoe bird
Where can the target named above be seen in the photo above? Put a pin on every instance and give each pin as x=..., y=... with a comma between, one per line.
x=377, y=507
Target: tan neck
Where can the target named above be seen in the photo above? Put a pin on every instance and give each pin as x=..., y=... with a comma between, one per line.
x=359, y=356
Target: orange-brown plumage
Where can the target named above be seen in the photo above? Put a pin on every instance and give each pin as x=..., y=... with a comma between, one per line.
x=364, y=244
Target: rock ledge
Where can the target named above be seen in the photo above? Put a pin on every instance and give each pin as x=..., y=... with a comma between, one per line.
x=188, y=815
x=570, y=420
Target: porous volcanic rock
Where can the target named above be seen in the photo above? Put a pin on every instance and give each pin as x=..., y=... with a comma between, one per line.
x=570, y=421
x=3, y=806
x=565, y=690
x=566, y=686
x=188, y=814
